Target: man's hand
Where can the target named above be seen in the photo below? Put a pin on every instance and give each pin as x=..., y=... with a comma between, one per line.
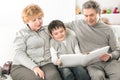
x=105, y=57
x=39, y=72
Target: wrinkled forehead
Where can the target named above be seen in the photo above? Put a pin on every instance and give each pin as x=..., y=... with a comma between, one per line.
x=89, y=11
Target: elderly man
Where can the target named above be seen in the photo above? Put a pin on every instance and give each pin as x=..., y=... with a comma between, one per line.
x=92, y=33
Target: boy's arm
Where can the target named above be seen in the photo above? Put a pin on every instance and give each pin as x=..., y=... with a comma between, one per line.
x=77, y=50
x=54, y=57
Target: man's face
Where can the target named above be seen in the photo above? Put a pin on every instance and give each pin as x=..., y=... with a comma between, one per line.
x=91, y=16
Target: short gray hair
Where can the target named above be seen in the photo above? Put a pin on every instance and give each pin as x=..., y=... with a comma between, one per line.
x=91, y=4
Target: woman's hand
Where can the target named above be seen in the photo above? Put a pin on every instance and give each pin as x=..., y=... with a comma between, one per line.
x=58, y=62
x=39, y=72
x=105, y=57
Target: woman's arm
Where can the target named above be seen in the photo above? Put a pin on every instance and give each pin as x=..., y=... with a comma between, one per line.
x=21, y=56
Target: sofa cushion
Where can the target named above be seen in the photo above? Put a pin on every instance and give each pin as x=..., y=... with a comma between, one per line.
x=116, y=29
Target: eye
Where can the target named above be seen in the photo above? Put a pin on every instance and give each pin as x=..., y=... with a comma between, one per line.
x=55, y=33
x=92, y=15
x=40, y=18
x=33, y=20
x=86, y=15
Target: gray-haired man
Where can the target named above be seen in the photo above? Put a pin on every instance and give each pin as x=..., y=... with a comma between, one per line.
x=92, y=33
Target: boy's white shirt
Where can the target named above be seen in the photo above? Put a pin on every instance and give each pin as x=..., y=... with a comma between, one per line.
x=54, y=52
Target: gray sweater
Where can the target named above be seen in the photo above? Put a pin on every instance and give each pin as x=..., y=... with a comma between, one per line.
x=32, y=48
x=69, y=48
x=93, y=37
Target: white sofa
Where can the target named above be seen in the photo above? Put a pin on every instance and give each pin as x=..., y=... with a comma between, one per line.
x=116, y=29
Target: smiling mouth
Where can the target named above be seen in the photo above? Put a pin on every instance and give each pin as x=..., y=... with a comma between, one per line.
x=61, y=37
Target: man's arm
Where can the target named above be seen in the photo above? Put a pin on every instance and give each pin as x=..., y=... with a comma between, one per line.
x=115, y=54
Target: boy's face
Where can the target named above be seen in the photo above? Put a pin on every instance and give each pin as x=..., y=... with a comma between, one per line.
x=59, y=34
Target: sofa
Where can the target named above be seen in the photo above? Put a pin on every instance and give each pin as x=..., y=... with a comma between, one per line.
x=116, y=29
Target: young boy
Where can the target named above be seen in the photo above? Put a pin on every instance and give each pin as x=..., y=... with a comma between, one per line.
x=63, y=42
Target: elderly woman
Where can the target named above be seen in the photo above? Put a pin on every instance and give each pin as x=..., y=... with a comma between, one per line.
x=32, y=60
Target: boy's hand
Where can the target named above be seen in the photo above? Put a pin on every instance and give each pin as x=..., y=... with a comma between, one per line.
x=59, y=63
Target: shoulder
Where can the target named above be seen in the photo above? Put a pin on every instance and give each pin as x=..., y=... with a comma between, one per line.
x=45, y=29
x=105, y=28
x=23, y=32
x=55, y=44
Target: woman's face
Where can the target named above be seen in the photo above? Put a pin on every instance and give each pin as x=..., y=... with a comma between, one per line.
x=59, y=34
x=35, y=24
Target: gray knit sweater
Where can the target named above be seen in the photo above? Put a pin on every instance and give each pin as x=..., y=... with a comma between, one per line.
x=32, y=48
x=93, y=37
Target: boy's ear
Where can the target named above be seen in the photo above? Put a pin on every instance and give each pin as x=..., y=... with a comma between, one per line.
x=51, y=35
